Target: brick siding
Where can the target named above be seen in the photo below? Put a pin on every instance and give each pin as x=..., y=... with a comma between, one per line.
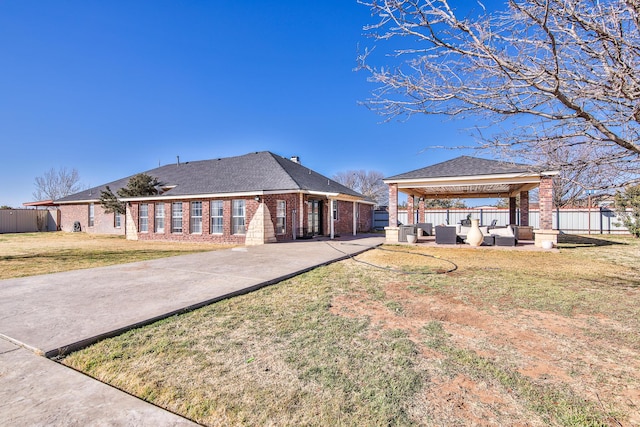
x=103, y=222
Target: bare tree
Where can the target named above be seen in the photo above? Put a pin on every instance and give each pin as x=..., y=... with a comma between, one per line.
x=54, y=184
x=540, y=76
x=367, y=183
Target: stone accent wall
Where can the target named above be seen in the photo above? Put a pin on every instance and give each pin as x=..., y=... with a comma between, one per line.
x=131, y=222
x=260, y=229
x=393, y=205
x=546, y=203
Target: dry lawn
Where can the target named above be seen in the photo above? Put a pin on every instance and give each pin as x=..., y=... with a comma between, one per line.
x=28, y=254
x=508, y=338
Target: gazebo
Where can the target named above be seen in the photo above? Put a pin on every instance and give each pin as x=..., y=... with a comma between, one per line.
x=471, y=177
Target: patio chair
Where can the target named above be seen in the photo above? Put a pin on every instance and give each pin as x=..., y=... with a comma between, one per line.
x=446, y=235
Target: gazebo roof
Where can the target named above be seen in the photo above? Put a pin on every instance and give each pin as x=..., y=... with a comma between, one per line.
x=469, y=177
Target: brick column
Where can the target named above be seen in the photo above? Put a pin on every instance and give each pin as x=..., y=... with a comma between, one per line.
x=411, y=212
x=421, y=217
x=393, y=205
x=512, y=210
x=546, y=203
x=524, y=208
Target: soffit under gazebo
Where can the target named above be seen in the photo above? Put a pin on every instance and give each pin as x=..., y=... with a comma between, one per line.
x=469, y=177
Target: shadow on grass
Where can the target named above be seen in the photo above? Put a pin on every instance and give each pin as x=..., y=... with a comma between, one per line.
x=572, y=241
x=127, y=256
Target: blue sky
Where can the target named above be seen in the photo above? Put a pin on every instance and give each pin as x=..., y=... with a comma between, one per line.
x=113, y=88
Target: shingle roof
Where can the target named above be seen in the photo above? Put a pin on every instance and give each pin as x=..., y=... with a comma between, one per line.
x=464, y=166
x=254, y=172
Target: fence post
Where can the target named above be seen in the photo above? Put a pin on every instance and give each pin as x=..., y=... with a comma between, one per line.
x=601, y=220
x=448, y=217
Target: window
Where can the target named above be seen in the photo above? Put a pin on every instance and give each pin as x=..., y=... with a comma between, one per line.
x=281, y=217
x=237, y=220
x=143, y=218
x=196, y=217
x=159, y=223
x=335, y=210
x=176, y=217
x=117, y=220
x=217, y=212
x=91, y=215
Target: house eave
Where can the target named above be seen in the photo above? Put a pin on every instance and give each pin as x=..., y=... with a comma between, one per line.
x=512, y=178
x=337, y=196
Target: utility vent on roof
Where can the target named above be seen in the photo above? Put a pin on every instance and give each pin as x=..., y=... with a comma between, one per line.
x=295, y=159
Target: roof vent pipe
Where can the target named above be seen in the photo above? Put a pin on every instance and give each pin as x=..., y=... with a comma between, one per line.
x=295, y=159
x=177, y=160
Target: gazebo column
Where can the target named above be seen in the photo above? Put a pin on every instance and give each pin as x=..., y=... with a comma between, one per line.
x=546, y=231
x=524, y=208
x=513, y=206
x=525, y=232
x=391, y=231
x=411, y=210
x=421, y=217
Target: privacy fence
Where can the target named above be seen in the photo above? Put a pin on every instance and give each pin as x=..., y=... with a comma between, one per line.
x=28, y=220
x=599, y=220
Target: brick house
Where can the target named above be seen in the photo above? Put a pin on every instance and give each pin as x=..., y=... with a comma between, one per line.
x=251, y=199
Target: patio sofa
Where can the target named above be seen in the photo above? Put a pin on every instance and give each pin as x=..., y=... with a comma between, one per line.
x=504, y=236
x=499, y=236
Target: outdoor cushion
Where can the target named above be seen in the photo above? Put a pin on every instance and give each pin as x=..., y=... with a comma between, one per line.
x=502, y=231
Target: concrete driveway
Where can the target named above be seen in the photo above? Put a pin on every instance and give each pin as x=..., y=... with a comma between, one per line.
x=58, y=313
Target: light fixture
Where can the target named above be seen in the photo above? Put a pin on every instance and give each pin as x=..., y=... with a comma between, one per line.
x=257, y=198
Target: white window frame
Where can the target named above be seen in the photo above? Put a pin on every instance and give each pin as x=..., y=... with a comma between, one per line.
x=92, y=215
x=159, y=218
x=281, y=217
x=238, y=214
x=143, y=218
x=117, y=220
x=217, y=217
x=195, y=220
x=174, y=218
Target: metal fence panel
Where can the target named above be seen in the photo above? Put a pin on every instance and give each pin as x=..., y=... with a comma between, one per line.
x=26, y=221
x=571, y=221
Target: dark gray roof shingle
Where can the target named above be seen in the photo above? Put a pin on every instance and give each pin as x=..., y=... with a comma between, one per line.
x=254, y=172
x=464, y=166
